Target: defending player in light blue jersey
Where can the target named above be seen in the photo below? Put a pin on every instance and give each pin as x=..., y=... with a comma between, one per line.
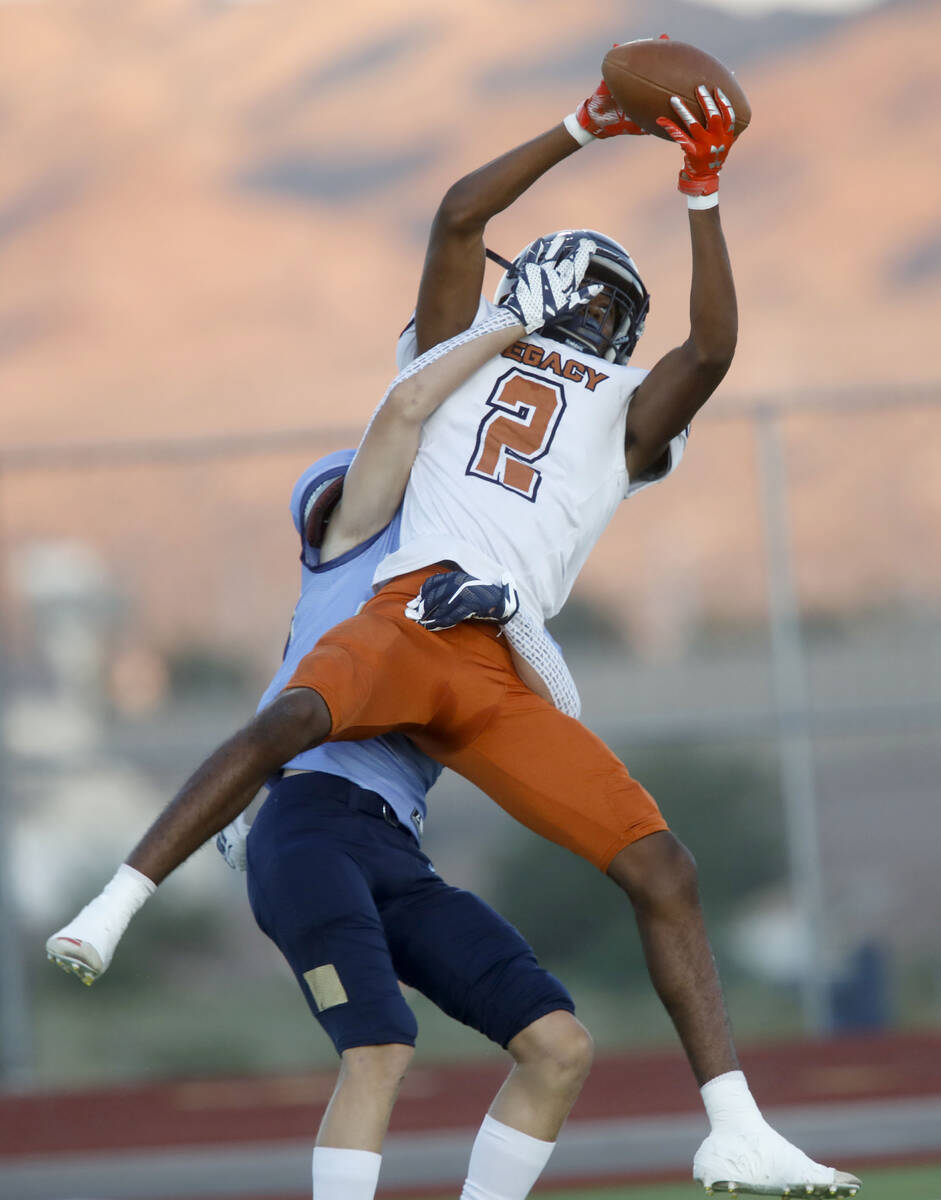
x=337, y=879
x=331, y=592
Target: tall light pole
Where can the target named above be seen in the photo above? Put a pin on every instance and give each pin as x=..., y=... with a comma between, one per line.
x=795, y=743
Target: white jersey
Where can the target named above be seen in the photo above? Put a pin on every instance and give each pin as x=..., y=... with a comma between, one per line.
x=521, y=469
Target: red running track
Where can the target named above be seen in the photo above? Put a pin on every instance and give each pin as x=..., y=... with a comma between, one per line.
x=193, y=1112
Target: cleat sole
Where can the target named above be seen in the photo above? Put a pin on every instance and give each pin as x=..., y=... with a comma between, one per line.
x=735, y=1188
x=72, y=966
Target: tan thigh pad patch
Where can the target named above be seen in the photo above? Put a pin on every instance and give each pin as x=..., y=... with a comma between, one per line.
x=325, y=986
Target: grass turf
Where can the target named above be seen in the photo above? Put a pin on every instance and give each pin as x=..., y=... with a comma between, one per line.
x=884, y=1183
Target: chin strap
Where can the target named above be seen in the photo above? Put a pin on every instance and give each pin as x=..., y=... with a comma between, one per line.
x=498, y=259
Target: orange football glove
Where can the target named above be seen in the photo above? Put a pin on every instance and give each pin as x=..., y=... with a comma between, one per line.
x=601, y=115
x=706, y=143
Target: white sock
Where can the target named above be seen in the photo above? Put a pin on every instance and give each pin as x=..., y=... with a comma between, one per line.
x=129, y=887
x=345, y=1174
x=729, y=1103
x=102, y=921
x=504, y=1163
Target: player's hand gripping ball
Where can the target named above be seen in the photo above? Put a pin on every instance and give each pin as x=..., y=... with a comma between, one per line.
x=601, y=115
x=706, y=144
x=450, y=597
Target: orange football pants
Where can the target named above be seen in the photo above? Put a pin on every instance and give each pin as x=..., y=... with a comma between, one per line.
x=458, y=697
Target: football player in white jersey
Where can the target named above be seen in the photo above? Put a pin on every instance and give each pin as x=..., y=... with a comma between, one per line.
x=519, y=471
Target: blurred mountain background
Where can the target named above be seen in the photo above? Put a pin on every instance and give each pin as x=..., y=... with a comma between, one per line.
x=212, y=222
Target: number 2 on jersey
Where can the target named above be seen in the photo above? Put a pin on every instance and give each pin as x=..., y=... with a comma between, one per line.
x=517, y=431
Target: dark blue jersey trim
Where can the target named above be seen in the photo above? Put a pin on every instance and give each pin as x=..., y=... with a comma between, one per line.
x=318, y=482
x=355, y=552
x=349, y=555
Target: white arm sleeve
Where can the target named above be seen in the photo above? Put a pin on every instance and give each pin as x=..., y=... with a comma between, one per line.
x=531, y=641
x=499, y=318
x=406, y=350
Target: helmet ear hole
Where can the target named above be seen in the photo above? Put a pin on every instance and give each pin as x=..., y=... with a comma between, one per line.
x=321, y=510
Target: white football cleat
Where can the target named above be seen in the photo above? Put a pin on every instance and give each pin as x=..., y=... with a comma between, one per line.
x=75, y=955
x=87, y=944
x=760, y=1162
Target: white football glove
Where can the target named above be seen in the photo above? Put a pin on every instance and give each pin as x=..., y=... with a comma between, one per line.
x=546, y=283
x=232, y=843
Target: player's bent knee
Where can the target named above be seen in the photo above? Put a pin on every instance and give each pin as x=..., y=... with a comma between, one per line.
x=380, y=1068
x=556, y=1044
x=657, y=872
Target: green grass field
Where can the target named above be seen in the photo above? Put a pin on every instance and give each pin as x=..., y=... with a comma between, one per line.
x=895, y=1183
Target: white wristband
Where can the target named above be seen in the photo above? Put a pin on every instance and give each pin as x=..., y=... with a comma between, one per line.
x=578, y=132
x=711, y=201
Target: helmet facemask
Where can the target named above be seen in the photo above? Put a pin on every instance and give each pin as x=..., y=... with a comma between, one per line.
x=585, y=330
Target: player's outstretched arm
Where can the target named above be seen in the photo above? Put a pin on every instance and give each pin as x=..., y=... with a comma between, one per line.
x=453, y=274
x=376, y=481
x=684, y=379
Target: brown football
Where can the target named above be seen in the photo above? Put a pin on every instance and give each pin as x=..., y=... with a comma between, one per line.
x=643, y=75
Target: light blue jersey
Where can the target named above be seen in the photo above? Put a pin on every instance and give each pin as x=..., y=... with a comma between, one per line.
x=390, y=765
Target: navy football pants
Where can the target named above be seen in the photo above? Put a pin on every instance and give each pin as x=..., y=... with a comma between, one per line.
x=354, y=905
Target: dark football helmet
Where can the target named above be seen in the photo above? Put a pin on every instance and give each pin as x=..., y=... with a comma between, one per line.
x=610, y=265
